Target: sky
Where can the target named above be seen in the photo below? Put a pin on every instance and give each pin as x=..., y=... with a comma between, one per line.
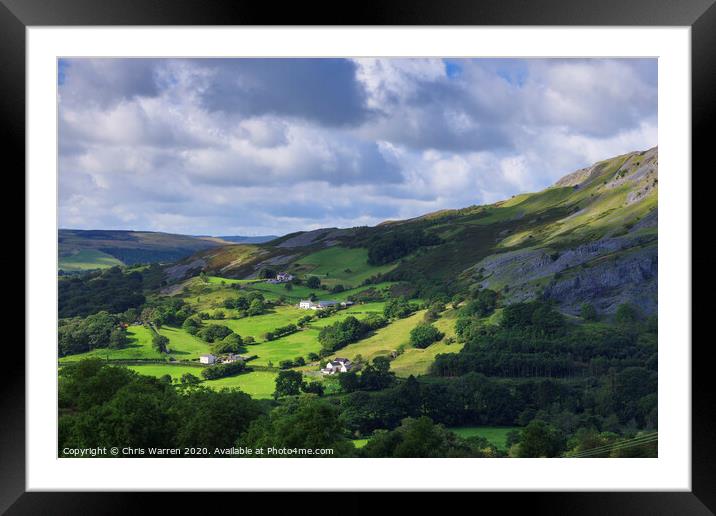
x=272, y=146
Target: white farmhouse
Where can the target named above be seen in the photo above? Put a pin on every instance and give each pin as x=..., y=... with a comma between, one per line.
x=307, y=304
x=207, y=359
x=284, y=277
x=337, y=365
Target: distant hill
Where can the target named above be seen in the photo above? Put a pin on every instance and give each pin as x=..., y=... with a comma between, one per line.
x=92, y=249
x=249, y=239
x=592, y=237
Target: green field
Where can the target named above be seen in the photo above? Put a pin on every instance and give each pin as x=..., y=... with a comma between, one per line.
x=298, y=344
x=182, y=346
x=274, y=291
x=497, y=435
x=383, y=341
x=258, y=384
x=158, y=370
x=417, y=361
x=260, y=324
x=217, y=280
x=87, y=259
x=340, y=265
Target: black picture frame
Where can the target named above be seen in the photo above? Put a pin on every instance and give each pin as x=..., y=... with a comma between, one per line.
x=700, y=15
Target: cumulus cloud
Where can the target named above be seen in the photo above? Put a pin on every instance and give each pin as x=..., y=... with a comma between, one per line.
x=255, y=146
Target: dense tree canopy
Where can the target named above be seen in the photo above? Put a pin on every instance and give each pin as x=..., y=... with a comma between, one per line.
x=110, y=290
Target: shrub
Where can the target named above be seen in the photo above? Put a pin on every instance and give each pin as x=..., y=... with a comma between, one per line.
x=223, y=370
x=423, y=335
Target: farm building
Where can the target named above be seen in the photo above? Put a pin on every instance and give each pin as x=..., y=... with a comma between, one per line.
x=207, y=359
x=337, y=365
x=232, y=357
x=281, y=277
x=307, y=304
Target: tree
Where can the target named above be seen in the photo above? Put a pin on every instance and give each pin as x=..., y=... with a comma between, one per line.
x=160, y=343
x=223, y=370
x=189, y=379
x=540, y=439
x=422, y=438
x=255, y=308
x=304, y=422
x=377, y=375
x=398, y=308
x=349, y=381
x=588, y=312
x=118, y=339
x=79, y=335
x=214, y=419
x=232, y=343
x=482, y=305
x=288, y=287
x=546, y=319
x=192, y=325
x=313, y=282
x=626, y=314
x=288, y=383
x=267, y=273
x=424, y=334
x=214, y=332
x=313, y=388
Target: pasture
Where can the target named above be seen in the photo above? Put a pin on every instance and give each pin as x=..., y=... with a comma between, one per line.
x=258, y=384
x=383, y=341
x=298, y=344
x=417, y=361
x=496, y=435
x=182, y=346
x=87, y=259
x=159, y=370
x=260, y=324
x=340, y=265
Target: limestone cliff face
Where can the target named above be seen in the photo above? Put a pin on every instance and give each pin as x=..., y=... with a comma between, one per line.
x=618, y=264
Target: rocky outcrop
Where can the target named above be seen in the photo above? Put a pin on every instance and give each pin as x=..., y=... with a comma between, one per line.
x=605, y=272
x=183, y=270
x=626, y=278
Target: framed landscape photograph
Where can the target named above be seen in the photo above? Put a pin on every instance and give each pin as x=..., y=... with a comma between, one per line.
x=366, y=258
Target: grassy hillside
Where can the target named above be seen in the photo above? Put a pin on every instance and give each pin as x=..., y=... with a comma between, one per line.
x=534, y=244
x=87, y=259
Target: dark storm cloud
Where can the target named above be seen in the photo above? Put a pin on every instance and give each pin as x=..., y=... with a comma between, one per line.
x=324, y=91
x=107, y=81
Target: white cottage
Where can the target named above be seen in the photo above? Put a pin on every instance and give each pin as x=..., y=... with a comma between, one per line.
x=207, y=359
x=337, y=365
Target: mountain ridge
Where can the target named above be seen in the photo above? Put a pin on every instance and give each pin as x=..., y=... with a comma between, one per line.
x=590, y=237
